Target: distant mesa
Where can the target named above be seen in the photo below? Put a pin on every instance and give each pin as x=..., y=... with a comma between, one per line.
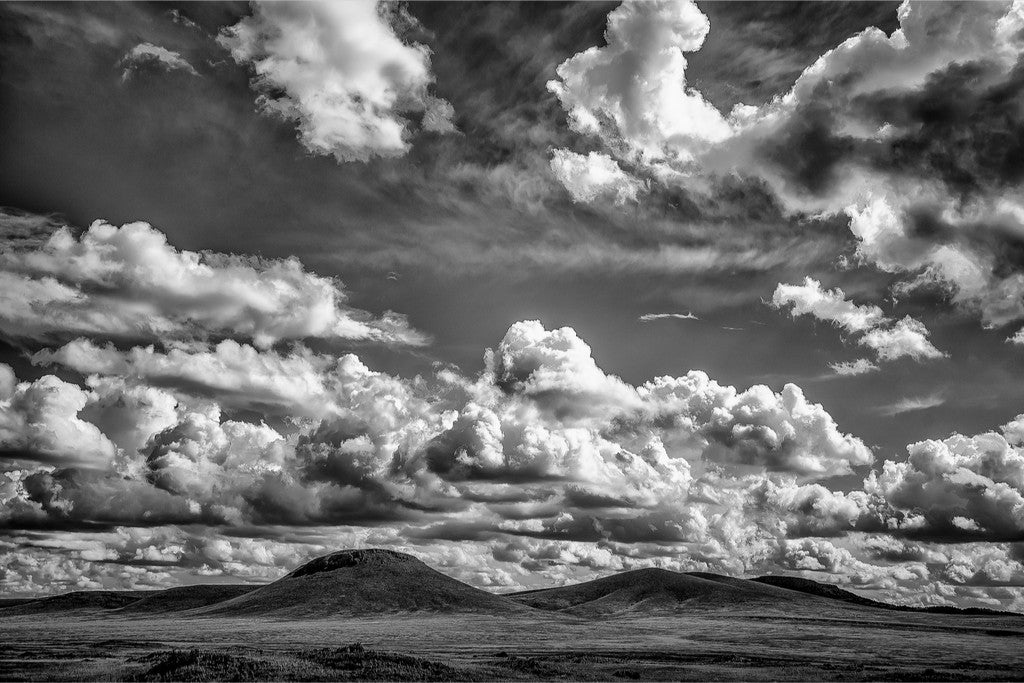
x=362, y=582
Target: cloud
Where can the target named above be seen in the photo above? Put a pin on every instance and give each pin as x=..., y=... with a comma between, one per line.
x=542, y=443
x=556, y=369
x=828, y=305
x=909, y=136
x=145, y=54
x=341, y=73
x=39, y=422
x=632, y=92
x=906, y=338
x=129, y=283
x=959, y=488
x=588, y=177
x=907, y=405
x=542, y=462
x=237, y=376
x=649, y=317
x=861, y=366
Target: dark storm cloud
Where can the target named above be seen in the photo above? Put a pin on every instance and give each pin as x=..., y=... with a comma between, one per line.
x=962, y=126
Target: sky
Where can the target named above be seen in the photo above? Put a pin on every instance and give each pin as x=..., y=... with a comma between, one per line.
x=537, y=292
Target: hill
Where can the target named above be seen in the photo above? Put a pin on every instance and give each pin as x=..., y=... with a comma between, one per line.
x=661, y=590
x=354, y=582
x=183, y=598
x=78, y=601
x=825, y=590
x=833, y=592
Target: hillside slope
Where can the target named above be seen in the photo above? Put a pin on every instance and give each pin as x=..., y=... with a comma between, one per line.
x=80, y=602
x=353, y=582
x=662, y=591
x=183, y=598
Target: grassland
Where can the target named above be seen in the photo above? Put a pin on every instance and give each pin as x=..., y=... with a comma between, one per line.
x=846, y=645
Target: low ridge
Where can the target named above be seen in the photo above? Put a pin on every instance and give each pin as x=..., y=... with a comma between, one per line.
x=368, y=581
x=77, y=601
x=825, y=590
x=660, y=590
x=184, y=598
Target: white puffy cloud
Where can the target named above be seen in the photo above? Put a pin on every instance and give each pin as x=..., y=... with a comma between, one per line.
x=908, y=135
x=592, y=176
x=147, y=53
x=237, y=376
x=890, y=340
x=960, y=487
x=128, y=282
x=830, y=305
x=906, y=338
x=39, y=421
x=556, y=369
x=544, y=463
x=203, y=458
x=632, y=92
x=341, y=73
x=757, y=427
x=861, y=366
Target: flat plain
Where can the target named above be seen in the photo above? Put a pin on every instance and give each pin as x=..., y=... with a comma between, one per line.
x=698, y=646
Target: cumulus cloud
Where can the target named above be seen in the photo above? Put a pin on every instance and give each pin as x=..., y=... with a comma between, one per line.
x=129, y=283
x=962, y=487
x=632, y=92
x=910, y=135
x=341, y=73
x=543, y=465
x=40, y=422
x=906, y=338
x=542, y=444
x=861, y=366
x=147, y=54
x=890, y=340
x=829, y=305
x=237, y=376
x=592, y=176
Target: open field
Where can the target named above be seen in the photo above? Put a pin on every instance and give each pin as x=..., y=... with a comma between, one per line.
x=850, y=646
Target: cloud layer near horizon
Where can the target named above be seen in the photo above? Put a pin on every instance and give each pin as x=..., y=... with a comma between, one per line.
x=543, y=465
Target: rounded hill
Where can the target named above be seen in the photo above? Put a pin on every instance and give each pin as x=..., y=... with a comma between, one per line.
x=363, y=582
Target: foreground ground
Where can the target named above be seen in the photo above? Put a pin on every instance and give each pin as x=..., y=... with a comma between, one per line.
x=846, y=645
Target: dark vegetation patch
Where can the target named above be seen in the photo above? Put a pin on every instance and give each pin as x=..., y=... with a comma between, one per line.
x=349, y=663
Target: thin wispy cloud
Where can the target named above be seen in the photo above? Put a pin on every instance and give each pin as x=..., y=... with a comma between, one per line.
x=911, y=405
x=650, y=317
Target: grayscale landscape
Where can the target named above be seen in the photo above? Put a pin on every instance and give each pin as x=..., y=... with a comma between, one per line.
x=382, y=615
x=511, y=340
